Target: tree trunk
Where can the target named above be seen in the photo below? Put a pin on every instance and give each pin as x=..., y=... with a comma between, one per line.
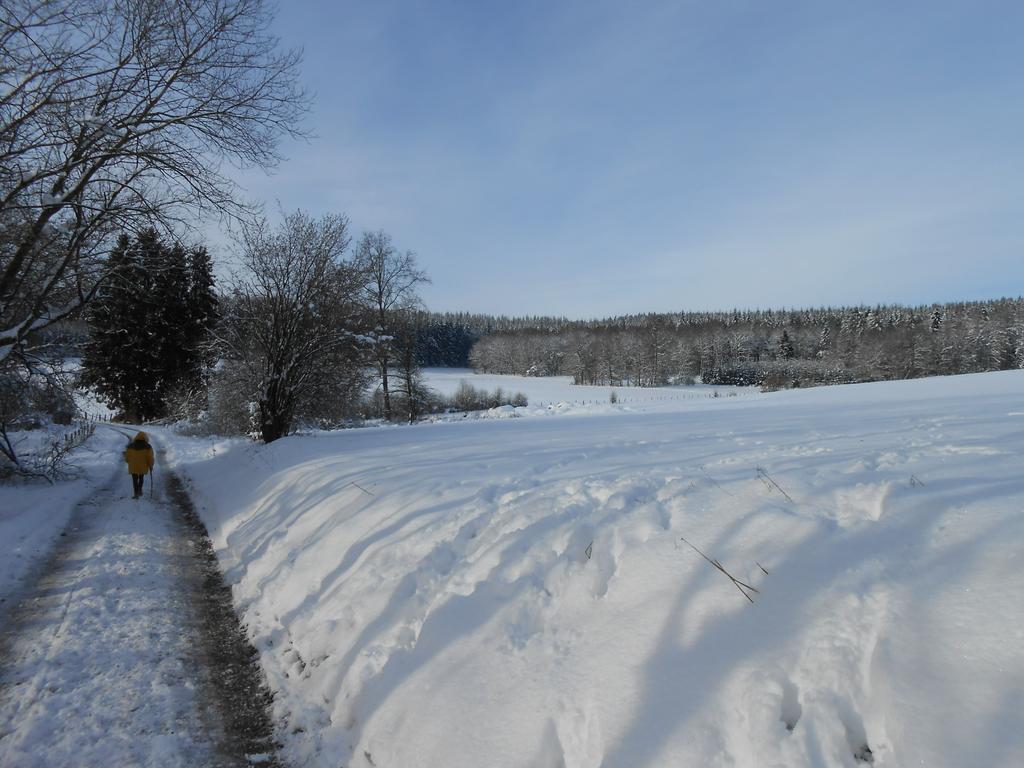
x=275, y=417
x=384, y=387
x=272, y=425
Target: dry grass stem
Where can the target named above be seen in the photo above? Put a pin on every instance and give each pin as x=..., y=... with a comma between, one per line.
x=740, y=585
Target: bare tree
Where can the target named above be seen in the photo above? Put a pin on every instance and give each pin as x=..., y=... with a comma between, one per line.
x=391, y=282
x=408, y=326
x=289, y=324
x=116, y=115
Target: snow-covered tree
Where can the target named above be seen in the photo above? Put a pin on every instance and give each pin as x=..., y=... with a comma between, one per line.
x=291, y=322
x=844, y=344
x=824, y=347
x=786, y=349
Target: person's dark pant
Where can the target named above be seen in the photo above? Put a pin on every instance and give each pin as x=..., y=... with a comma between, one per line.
x=137, y=482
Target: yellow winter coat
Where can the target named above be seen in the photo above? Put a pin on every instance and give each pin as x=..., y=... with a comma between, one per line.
x=139, y=455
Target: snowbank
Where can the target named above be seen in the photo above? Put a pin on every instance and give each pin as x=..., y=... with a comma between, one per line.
x=510, y=592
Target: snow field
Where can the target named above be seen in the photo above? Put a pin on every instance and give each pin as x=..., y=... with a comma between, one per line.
x=511, y=593
x=557, y=395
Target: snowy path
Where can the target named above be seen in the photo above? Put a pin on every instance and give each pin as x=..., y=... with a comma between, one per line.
x=107, y=660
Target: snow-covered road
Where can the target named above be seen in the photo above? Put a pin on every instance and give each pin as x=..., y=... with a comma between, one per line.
x=106, y=660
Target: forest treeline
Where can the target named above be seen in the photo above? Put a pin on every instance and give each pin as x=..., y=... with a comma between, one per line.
x=445, y=339
x=771, y=349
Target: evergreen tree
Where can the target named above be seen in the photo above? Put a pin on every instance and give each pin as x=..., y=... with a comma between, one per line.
x=149, y=326
x=786, y=350
x=824, y=342
x=115, y=322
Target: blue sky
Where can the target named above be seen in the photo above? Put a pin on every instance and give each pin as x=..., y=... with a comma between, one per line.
x=594, y=158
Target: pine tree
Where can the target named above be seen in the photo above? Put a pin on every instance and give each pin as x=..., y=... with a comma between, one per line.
x=149, y=326
x=786, y=350
x=203, y=308
x=824, y=342
x=114, y=325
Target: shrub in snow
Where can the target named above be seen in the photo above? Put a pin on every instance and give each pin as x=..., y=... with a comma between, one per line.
x=413, y=399
x=497, y=398
x=32, y=397
x=466, y=398
x=34, y=406
x=469, y=398
x=188, y=402
x=231, y=409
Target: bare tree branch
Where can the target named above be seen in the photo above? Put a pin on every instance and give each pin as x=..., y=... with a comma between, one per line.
x=115, y=116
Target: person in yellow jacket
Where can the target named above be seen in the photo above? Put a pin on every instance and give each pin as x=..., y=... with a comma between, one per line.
x=139, y=455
